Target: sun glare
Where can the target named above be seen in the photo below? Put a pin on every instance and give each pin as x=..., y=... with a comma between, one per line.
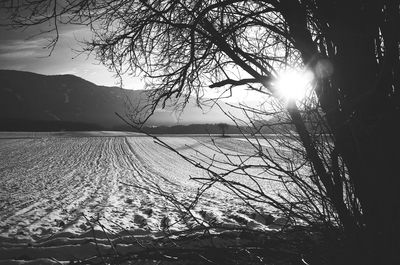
x=294, y=85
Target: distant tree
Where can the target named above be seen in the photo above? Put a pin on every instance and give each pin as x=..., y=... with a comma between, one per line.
x=223, y=127
x=352, y=48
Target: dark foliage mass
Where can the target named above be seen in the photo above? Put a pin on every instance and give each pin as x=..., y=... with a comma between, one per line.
x=352, y=48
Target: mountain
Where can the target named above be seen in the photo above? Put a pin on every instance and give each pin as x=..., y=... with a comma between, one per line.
x=30, y=101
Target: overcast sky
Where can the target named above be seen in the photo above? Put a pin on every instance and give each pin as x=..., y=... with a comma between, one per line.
x=21, y=50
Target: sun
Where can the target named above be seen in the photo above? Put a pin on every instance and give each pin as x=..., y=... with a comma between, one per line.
x=294, y=84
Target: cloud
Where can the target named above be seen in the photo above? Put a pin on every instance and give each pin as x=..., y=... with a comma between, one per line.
x=75, y=31
x=18, y=54
x=20, y=51
x=23, y=44
x=14, y=49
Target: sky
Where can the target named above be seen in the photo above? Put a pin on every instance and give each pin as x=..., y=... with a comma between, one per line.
x=24, y=50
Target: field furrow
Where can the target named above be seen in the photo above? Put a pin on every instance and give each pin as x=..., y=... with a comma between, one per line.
x=60, y=188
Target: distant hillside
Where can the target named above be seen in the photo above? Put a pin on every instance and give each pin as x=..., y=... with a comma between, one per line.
x=31, y=101
x=192, y=129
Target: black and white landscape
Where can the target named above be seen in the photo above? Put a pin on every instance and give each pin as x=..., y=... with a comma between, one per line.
x=64, y=174
x=199, y=132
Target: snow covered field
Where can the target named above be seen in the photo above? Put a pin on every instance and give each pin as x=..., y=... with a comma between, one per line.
x=59, y=185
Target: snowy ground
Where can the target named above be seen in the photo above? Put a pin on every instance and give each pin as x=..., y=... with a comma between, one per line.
x=58, y=185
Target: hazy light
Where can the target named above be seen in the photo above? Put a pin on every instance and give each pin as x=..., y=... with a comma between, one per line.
x=293, y=85
x=323, y=68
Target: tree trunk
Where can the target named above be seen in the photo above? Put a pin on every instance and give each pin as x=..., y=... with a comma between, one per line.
x=363, y=112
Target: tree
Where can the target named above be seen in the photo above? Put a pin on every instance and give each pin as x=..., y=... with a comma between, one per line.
x=223, y=127
x=352, y=48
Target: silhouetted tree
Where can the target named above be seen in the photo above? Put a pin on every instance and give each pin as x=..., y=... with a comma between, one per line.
x=352, y=47
x=223, y=127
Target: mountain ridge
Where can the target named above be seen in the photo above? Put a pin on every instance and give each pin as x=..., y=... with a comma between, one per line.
x=27, y=97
